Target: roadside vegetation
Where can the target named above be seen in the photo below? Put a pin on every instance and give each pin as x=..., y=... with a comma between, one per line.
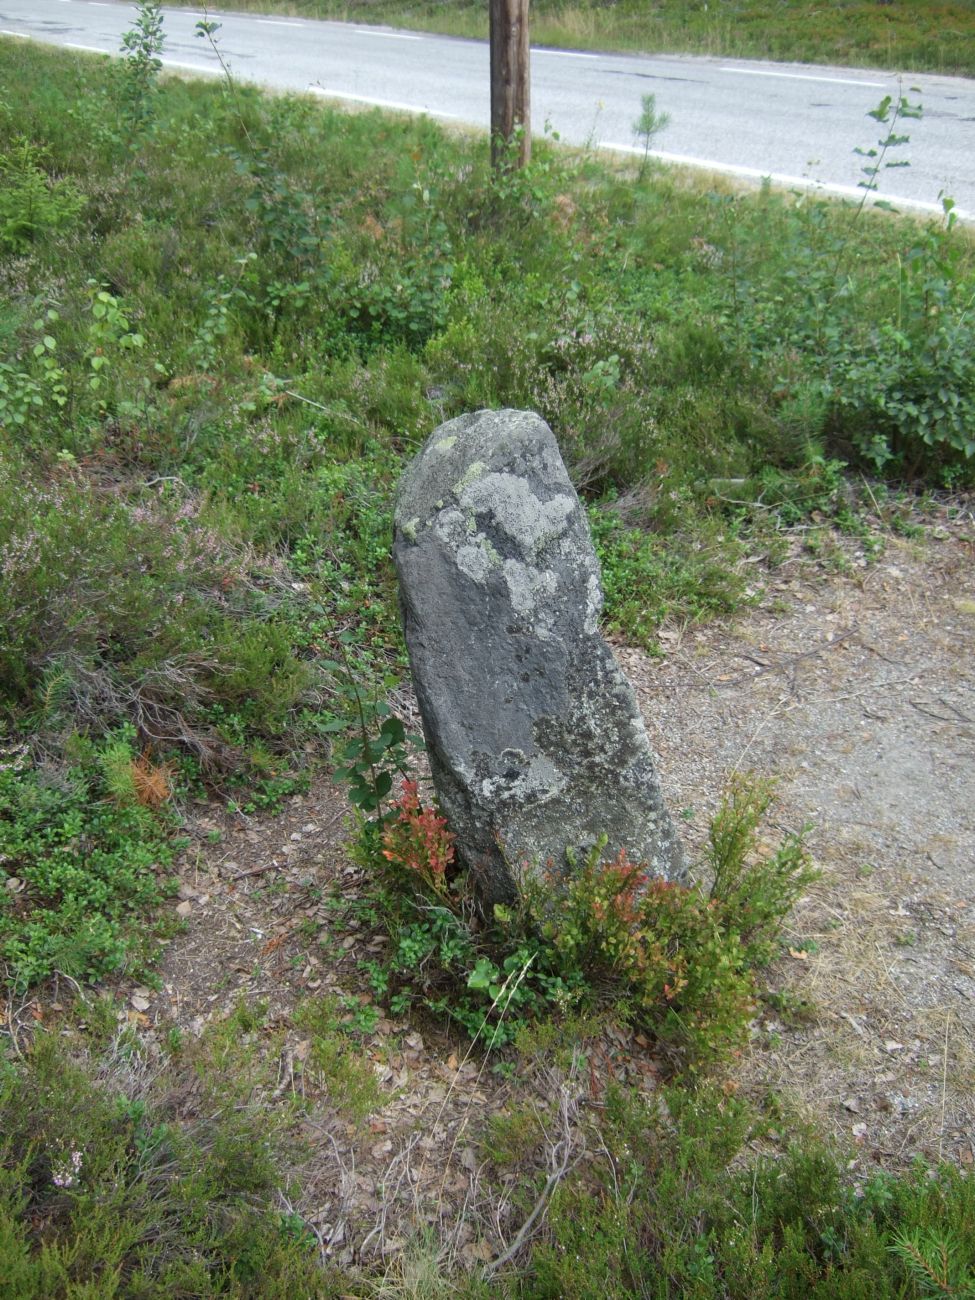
x=903, y=35
x=226, y=321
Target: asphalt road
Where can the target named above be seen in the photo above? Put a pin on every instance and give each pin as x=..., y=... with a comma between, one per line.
x=797, y=124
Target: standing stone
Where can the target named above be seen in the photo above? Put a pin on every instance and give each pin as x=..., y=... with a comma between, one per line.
x=535, y=740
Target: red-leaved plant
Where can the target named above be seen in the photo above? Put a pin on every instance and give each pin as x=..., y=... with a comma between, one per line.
x=417, y=841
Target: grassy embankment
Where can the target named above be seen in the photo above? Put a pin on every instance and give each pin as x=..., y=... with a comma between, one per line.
x=224, y=323
x=908, y=35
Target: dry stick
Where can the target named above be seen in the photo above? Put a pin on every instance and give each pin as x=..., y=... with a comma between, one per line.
x=12, y=1029
x=555, y=1177
x=890, y=979
x=77, y=987
x=389, y=1194
x=329, y=410
x=346, y=1177
x=868, y=690
x=553, y=1180
x=939, y=717
x=792, y=660
x=944, y=1088
x=257, y=871
x=759, y=729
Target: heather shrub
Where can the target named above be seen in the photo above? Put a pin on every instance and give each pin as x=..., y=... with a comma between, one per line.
x=110, y=1185
x=134, y=612
x=682, y=1205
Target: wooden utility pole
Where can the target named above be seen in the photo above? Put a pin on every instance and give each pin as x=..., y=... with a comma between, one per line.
x=510, y=82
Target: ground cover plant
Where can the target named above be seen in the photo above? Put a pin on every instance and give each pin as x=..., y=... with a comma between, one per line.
x=902, y=34
x=108, y=1189
x=665, y=1219
x=225, y=322
x=85, y=862
x=678, y=961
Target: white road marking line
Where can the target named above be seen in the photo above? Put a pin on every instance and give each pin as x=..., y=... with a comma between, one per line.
x=791, y=182
x=22, y=35
x=801, y=76
x=92, y=49
x=389, y=36
x=194, y=67
x=382, y=103
x=278, y=22
x=566, y=54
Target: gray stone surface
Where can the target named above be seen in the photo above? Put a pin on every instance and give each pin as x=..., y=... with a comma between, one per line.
x=534, y=736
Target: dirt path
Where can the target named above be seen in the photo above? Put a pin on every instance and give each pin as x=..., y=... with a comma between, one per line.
x=857, y=692
x=854, y=685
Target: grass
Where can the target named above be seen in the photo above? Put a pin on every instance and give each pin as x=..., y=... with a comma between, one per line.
x=110, y=1187
x=116, y=1181
x=226, y=321
x=908, y=35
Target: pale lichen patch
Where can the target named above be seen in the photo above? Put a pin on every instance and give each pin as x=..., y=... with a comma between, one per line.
x=516, y=510
x=474, y=471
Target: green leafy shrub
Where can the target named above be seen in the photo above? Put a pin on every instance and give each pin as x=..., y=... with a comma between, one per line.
x=417, y=841
x=142, y=46
x=665, y=948
x=907, y=400
x=34, y=379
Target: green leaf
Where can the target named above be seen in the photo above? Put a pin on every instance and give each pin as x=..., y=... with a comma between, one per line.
x=484, y=974
x=394, y=729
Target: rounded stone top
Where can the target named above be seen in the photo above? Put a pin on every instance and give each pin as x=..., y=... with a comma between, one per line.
x=506, y=462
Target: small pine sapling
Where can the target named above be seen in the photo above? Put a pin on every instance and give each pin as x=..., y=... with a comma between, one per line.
x=648, y=126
